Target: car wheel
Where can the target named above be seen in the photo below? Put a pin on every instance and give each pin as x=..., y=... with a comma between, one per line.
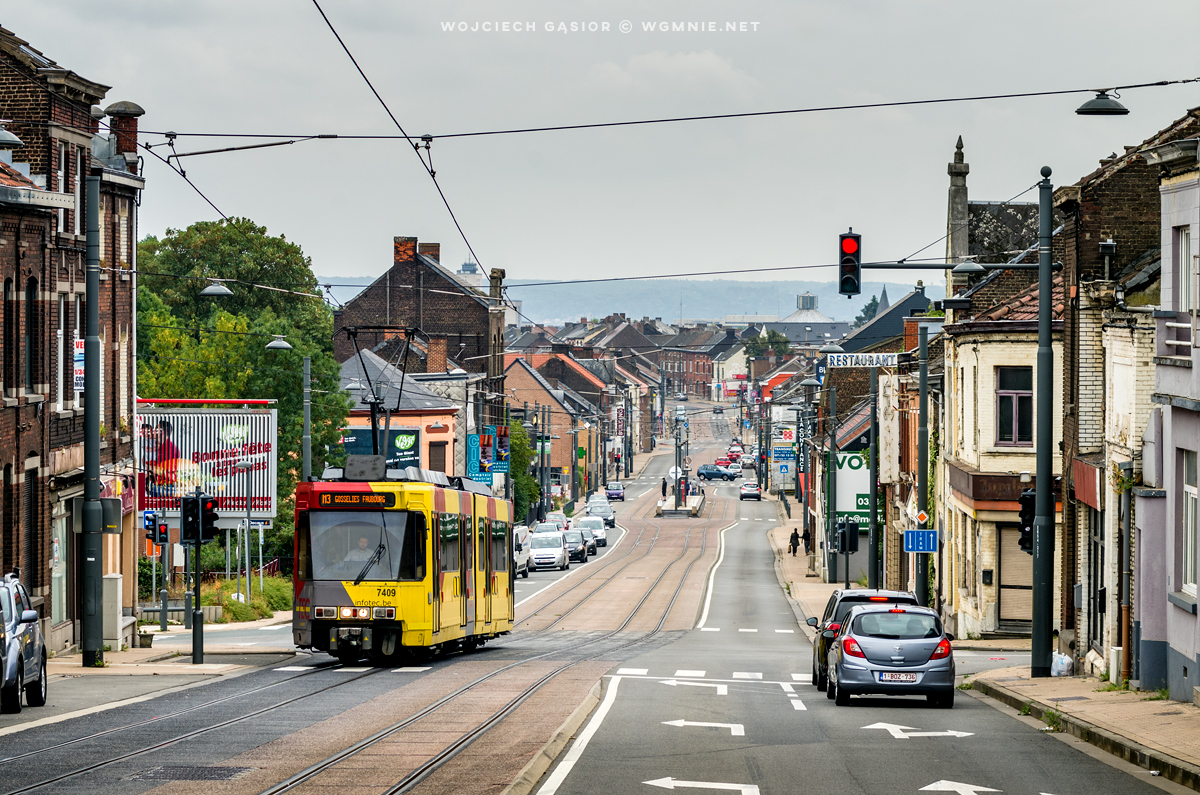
x=842, y=697
x=35, y=692
x=10, y=697
x=942, y=700
x=525, y=574
x=830, y=689
x=822, y=680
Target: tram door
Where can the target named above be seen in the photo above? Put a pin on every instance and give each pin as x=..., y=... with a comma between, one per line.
x=466, y=573
x=436, y=571
x=485, y=567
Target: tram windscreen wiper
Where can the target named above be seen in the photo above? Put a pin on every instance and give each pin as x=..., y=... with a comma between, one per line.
x=371, y=561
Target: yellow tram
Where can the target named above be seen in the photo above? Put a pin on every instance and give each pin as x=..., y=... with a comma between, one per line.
x=399, y=560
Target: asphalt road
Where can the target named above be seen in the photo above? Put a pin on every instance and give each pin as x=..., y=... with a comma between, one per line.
x=729, y=706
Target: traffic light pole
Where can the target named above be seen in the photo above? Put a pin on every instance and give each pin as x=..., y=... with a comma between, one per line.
x=831, y=505
x=197, y=611
x=923, y=461
x=872, y=504
x=1043, y=523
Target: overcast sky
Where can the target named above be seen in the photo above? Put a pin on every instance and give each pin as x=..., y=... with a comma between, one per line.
x=665, y=199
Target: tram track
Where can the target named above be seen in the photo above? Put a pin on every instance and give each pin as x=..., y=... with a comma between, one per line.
x=440, y=759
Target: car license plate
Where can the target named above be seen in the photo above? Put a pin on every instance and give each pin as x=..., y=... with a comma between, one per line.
x=889, y=676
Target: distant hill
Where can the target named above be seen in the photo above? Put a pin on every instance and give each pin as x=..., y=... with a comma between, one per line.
x=661, y=298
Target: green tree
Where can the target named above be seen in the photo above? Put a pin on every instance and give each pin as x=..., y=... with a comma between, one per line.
x=758, y=346
x=191, y=347
x=525, y=487
x=870, y=308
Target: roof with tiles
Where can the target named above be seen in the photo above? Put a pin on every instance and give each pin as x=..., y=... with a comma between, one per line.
x=1024, y=305
x=11, y=178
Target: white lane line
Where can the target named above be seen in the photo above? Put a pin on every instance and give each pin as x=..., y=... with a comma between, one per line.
x=563, y=770
x=295, y=668
x=747, y=630
x=632, y=671
x=747, y=675
x=710, y=629
x=274, y=628
x=712, y=575
x=683, y=672
x=802, y=677
x=785, y=631
x=410, y=670
x=798, y=705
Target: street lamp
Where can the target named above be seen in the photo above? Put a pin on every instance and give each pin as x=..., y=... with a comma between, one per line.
x=277, y=344
x=1101, y=105
x=216, y=290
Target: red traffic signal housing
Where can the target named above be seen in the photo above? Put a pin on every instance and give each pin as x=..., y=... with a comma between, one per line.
x=208, y=518
x=849, y=263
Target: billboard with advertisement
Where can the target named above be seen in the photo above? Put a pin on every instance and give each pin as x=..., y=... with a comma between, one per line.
x=853, y=489
x=502, y=449
x=402, y=449
x=184, y=449
x=476, y=461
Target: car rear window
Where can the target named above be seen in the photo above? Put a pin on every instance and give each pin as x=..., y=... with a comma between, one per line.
x=573, y=537
x=851, y=601
x=897, y=626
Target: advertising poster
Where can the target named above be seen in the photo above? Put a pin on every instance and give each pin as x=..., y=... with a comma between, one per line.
x=181, y=450
x=403, y=447
x=474, y=461
x=853, y=490
x=502, y=449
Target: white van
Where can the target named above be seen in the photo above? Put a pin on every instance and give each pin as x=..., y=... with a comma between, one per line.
x=521, y=551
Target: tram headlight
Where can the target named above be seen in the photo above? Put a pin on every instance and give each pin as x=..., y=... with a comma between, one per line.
x=364, y=612
x=347, y=612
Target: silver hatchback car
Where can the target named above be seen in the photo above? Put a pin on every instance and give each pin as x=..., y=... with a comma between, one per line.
x=892, y=650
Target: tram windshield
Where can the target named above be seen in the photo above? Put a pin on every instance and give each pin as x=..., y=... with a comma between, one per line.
x=362, y=545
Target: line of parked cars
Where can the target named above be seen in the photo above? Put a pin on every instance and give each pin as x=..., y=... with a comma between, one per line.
x=873, y=641
x=559, y=541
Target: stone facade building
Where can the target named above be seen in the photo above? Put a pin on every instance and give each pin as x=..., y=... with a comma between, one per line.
x=62, y=138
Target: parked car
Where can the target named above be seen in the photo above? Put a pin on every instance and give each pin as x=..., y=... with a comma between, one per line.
x=546, y=527
x=23, y=658
x=548, y=551
x=602, y=510
x=718, y=409
x=589, y=539
x=836, y=608
x=714, y=472
x=681, y=396
x=559, y=518
x=891, y=650
x=595, y=525
x=615, y=491
x=750, y=491
x=576, y=547
x=521, y=551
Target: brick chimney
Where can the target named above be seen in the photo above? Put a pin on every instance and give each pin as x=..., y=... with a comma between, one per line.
x=431, y=250
x=435, y=361
x=124, y=124
x=404, y=249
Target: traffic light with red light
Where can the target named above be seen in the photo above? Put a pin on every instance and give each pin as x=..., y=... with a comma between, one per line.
x=208, y=518
x=849, y=263
x=163, y=534
x=1028, y=503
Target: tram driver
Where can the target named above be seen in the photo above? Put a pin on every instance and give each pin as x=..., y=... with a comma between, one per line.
x=362, y=552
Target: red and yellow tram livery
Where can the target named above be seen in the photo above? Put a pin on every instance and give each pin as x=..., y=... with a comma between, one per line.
x=412, y=561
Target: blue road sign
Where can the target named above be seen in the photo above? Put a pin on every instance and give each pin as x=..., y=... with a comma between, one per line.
x=920, y=540
x=783, y=469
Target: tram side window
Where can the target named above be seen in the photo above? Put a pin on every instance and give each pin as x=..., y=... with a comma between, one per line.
x=449, y=532
x=499, y=546
x=304, y=566
x=483, y=540
x=348, y=545
x=412, y=557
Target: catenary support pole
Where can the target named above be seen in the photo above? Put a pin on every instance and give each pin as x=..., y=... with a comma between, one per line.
x=831, y=503
x=923, y=460
x=92, y=630
x=306, y=439
x=872, y=496
x=1043, y=522
x=1126, y=498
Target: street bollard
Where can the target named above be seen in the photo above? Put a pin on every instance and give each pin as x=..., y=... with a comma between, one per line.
x=187, y=609
x=198, y=637
x=162, y=621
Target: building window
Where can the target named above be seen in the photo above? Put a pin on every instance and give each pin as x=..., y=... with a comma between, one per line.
x=1191, y=503
x=9, y=341
x=62, y=184
x=1014, y=406
x=1185, y=268
x=61, y=344
x=32, y=335
x=78, y=192
x=31, y=571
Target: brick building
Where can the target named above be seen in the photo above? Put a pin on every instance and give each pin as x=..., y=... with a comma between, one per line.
x=61, y=139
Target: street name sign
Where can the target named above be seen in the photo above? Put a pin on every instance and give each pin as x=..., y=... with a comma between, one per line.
x=862, y=359
x=920, y=540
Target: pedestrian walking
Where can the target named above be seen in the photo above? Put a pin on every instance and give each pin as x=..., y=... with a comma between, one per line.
x=807, y=541
x=664, y=487
x=794, y=542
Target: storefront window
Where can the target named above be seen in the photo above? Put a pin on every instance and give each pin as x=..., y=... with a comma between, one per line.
x=58, y=571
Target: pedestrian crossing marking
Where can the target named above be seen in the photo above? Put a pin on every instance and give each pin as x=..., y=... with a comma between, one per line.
x=633, y=671
x=802, y=678
x=747, y=630
x=799, y=705
x=693, y=674
x=746, y=675
x=710, y=629
x=409, y=670
x=355, y=669
x=295, y=668
x=786, y=631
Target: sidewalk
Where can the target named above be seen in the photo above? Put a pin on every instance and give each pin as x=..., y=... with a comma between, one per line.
x=159, y=661
x=1136, y=726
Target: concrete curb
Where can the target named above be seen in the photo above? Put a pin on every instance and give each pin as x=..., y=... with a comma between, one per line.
x=1169, y=767
x=785, y=585
x=532, y=773
x=1006, y=649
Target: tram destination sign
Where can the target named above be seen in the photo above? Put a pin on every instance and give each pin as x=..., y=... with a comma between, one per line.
x=863, y=359
x=356, y=499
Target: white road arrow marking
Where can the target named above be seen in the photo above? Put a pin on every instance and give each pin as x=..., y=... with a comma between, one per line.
x=957, y=786
x=722, y=690
x=672, y=783
x=735, y=729
x=904, y=732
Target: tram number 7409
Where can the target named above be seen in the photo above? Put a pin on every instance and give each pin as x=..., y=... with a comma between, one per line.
x=386, y=591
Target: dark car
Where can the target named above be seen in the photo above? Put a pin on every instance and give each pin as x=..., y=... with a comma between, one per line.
x=718, y=409
x=22, y=649
x=714, y=472
x=835, y=611
x=602, y=510
x=577, y=548
x=590, y=539
x=891, y=650
x=615, y=491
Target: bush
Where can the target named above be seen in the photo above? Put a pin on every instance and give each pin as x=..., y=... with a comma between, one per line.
x=276, y=594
